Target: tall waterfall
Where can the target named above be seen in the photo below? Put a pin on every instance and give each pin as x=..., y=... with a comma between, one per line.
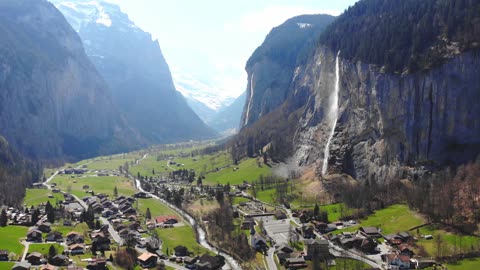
x=249, y=105
x=332, y=116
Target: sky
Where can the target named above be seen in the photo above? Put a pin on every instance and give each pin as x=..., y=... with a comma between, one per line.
x=213, y=39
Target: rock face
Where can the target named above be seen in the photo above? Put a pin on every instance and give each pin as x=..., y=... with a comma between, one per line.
x=389, y=123
x=274, y=64
x=53, y=103
x=136, y=71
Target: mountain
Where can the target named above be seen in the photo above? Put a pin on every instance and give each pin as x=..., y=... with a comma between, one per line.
x=272, y=66
x=16, y=173
x=227, y=120
x=136, y=71
x=53, y=103
x=352, y=108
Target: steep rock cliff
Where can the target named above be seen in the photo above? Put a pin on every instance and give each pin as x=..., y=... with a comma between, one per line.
x=273, y=65
x=136, y=71
x=389, y=124
x=53, y=103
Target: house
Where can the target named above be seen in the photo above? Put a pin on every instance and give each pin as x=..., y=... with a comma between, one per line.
x=59, y=260
x=405, y=250
x=34, y=235
x=366, y=245
x=54, y=237
x=77, y=249
x=279, y=214
x=3, y=255
x=208, y=262
x=181, y=251
x=74, y=238
x=130, y=211
x=21, y=266
x=247, y=224
x=317, y=248
x=258, y=242
x=97, y=264
x=147, y=260
x=166, y=220
x=295, y=263
x=405, y=236
x=97, y=208
x=393, y=239
x=397, y=261
x=34, y=258
x=153, y=244
x=45, y=227
x=141, y=195
x=48, y=267
x=101, y=240
x=107, y=213
x=370, y=232
x=308, y=232
x=285, y=249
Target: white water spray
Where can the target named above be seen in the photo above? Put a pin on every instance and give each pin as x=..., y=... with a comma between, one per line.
x=247, y=114
x=332, y=115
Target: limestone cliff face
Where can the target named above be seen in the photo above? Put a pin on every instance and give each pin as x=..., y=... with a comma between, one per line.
x=53, y=103
x=389, y=124
x=273, y=65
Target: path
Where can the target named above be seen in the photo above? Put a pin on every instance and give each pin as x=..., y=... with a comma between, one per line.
x=271, y=260
x=25, y=251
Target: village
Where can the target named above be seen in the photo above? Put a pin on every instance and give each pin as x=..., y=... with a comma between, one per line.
x=83, y=223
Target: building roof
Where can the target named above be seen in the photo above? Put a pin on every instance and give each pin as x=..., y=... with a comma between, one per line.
x=34, y=254
x=76, y=246
x=25, y=265
x=48, y=267
x=73, y=234
x=146, y=256
x=370, y=230
x=162, y=219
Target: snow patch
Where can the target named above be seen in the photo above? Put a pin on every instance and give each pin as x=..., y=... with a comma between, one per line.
x=304, y=25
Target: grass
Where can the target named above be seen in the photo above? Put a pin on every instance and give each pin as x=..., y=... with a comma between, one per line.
x=184, y=236
x=44, y=248
x=248, y=170
x=10, y=239
x=467, y=264
x=80, y=228
x=267, y=195
x=348, y=264
x=37, y=196
x=6, y=265
x=156, y=207
x=238, y=200
x=99, y=184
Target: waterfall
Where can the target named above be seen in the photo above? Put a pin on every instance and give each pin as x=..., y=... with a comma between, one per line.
x=332, y=115
x=247, y=114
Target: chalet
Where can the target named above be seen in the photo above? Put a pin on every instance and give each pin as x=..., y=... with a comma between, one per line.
x=59, y=260
x=97, y=208
x=124, y=233
x=74, y=238
x=189, y=262
x=279, y=214
x=101, y=240
x=21, y=266
x=181, y=251
x=76, y=249
x=316, y=248
x=320, y=226
x=97, y=264
x=107, y=204
x=166, y=220
x=45, y=227
x=308, y=232
x=295, y=263
x=153, y=244
x=247, y=224
x=54, y=237
x=405, y=250
x=285, y=249
x=34, y=235
x=393, y=239
x=107, y=213
x=48, y=267
x=258, y=242
x=101, y=196
x=405, y=236
x=370, y=232
x=208, y=262
x=147, y=260
x=366, y=245
x=56, y=190
x=3, y=255
x=120, y=227
x=141, y=195
x=34, y=258
x=397, y=262
x=130, y=211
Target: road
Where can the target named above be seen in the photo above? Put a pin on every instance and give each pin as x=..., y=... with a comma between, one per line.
x=112, y=231
x=271, y=260
x=25, y=251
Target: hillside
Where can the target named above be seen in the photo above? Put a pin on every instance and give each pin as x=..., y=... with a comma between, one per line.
x=227, y=120
x=136, y=71
x=54, y=104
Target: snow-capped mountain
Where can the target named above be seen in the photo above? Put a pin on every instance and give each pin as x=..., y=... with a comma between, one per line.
x=133, y=65
x=197, y=90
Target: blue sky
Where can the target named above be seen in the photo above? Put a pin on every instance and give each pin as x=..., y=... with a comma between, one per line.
x=212, y=39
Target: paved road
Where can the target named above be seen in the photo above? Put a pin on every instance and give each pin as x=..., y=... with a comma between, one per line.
x=112, y=231
x=25, y=251
x=271, y=260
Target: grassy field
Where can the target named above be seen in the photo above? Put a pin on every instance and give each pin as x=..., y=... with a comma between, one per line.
x=348, y=264
x=37, y=196
x=6, y=265
x=156, y=208
x=10, y=239
x=99, y=184
x=467, y=264
x=43, y=248
x=184, y=236
x=248, y=170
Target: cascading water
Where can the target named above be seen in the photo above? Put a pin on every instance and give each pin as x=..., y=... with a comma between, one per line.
x=332, y=115
x=247, y=114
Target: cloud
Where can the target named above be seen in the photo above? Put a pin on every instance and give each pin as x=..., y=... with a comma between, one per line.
x=264, y=20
